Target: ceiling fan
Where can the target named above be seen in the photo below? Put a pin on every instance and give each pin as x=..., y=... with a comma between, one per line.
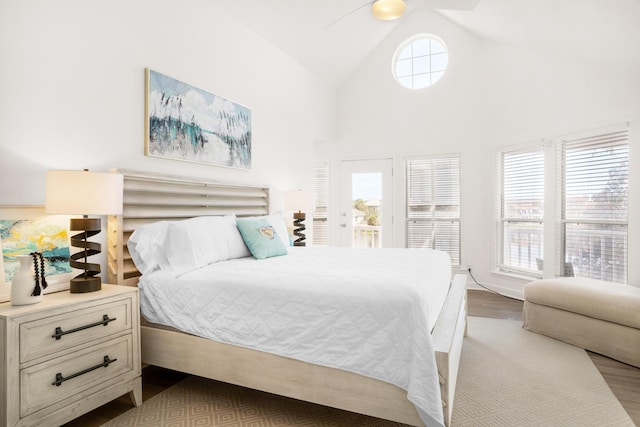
x=388, y=10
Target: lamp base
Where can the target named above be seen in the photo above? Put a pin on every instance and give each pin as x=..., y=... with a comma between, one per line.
x=81, y=285
x=88, y=281
x=298, y=231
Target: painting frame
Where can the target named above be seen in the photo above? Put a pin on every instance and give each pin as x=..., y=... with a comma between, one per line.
x=186, y=123
x=35, y=213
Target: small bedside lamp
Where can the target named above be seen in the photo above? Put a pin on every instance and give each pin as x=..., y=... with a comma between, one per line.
x=300, y=201
x=84, y=193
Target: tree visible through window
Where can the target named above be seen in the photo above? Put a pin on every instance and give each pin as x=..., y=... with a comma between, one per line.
x=594, y=204
x=591, y=193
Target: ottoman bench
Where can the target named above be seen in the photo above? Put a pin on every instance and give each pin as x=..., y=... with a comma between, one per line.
x=603, y=317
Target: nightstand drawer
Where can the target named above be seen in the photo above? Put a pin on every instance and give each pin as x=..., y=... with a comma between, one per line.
x=47, y=336
x=75, y=374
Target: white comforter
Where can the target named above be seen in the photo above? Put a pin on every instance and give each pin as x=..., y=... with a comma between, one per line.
x=368, y=311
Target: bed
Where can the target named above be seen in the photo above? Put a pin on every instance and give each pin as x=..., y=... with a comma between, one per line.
x=152, y=198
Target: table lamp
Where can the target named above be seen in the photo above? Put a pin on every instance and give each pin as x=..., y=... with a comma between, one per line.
x=300, y=201
x=84, y=193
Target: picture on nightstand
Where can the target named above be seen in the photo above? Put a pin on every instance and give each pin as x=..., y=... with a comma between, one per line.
x=26, y=229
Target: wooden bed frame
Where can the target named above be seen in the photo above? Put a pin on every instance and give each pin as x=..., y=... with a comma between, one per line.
x=148, y=198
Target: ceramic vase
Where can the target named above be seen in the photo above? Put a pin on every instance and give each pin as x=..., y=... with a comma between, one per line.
x=24, y=282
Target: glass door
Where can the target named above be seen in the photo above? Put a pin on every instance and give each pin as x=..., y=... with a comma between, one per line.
x=366, y=203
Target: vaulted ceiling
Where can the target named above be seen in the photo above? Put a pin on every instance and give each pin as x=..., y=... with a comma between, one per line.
x=332, y=37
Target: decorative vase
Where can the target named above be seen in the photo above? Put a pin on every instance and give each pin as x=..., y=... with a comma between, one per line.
x=23, y=283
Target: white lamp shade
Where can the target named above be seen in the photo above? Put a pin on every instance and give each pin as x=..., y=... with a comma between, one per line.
x=387, y=10
x=298, y=200
x=83, y=193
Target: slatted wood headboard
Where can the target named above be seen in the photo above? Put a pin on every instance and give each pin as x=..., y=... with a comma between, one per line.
x=152, y=197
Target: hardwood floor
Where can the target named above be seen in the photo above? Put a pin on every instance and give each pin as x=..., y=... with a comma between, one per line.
x=624, y=380
x=489, y=304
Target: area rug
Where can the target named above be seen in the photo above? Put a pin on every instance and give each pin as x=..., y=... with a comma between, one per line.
x=508, y=377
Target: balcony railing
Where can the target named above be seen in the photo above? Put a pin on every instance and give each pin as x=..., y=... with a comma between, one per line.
x=592, y=250
x=367, y=236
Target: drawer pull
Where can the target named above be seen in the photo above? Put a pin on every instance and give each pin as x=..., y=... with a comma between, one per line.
x=59, y=332
x=60, y=379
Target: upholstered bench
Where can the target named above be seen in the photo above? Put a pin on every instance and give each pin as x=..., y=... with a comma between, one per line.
x=603, y=317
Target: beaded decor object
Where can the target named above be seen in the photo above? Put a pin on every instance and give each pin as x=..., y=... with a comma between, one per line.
x=38, y=266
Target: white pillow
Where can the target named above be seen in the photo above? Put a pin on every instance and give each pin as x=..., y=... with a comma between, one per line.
x=278, y=223
x=196, y=242
x=146, y=246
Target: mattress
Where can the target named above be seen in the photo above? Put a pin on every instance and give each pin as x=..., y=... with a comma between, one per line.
x=367, y=311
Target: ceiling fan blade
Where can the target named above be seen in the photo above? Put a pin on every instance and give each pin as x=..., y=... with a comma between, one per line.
x=367, y=3
x=431, y=4
x=446, y=4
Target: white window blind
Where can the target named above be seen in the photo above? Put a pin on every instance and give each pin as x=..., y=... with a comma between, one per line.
x=521, y=210
x=594, y=171
x=320, y=215
x=433, y=204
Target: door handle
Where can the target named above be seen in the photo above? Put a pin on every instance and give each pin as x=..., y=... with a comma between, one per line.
x=343, y=225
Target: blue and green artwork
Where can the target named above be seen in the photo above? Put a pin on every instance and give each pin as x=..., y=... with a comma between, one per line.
x=21, y=237
x=187, y=123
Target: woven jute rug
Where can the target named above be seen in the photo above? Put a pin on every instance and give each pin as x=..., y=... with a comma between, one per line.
x=508, y=377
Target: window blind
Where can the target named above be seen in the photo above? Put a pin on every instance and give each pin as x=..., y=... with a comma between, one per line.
x=433, y=204
x=593, y=181
x=320, y=215
x=521, y=210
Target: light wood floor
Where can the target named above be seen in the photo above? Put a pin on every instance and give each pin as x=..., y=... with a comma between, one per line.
x=624, y=380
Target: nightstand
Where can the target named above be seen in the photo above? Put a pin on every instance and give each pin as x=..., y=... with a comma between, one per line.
x=68, y=354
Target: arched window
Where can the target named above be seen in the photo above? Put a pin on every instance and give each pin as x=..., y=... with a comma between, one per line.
x=420, y=61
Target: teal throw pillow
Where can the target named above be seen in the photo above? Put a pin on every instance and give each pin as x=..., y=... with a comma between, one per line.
x=261, y=238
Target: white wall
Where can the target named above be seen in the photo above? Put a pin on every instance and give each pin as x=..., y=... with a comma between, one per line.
x=72, y=91
x=491, y=96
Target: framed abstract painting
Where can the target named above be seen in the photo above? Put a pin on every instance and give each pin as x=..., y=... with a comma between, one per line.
x=26, y=229
x=186, y=123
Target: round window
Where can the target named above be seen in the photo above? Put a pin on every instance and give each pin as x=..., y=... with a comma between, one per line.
x=420, y=61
